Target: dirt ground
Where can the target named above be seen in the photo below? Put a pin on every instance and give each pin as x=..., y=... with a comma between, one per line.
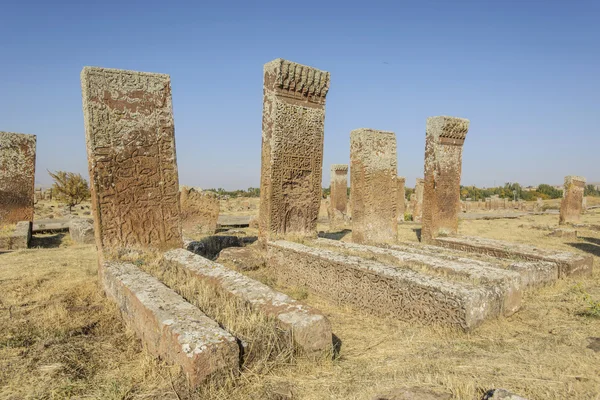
x=61, y=338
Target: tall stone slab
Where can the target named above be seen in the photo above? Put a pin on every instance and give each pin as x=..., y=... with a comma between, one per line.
x=338, y=203
x=292, y=148
x=130, y=138
x=17, y=177
x=418, y=208
x=571, y=206
x=444, y=141
x=400, y=206
x=373, y=174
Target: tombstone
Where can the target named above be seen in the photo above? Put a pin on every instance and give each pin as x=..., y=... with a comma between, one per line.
x=130, y=139
x=17, y=177
x=443, y=164
x=338, y=201
x=480, y=204
x=48, y=194
x=199, y=210
x=468, y=205
x=571, y=206
x=292, y=148
x=401, y=206
x=505, y=203
x=373, y=175
x=38, y=195
x=539, y=204
x=418, y=209
x=584, y=205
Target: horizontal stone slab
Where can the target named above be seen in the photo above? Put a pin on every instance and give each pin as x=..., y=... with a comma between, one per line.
x=310, y=330
x=18, y=239
x=50, y=225
x=170, y=327
x=381, y=289
x=533, y=273
x=569, y=264
x=503, y=285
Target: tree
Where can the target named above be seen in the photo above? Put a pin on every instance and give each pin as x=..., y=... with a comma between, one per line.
x=70, y=188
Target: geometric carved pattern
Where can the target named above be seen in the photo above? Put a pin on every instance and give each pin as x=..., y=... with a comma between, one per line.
x=17, y=177
x=445, y=137
x=292, y=148
x=373, y=175
x=130, y=140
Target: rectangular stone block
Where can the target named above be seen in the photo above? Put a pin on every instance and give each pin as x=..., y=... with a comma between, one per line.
x=444, y=141
x=569, y=264
x=170, y=327
x=199, y=210
x=130, y=139
x=373, y=174
x=16, y=238
x=292, y=148
x=571, y=206
x=380, y=289
x=338, y=203
x=401, y=205
x=17, y=177
x=503, y=286
x=309, y=329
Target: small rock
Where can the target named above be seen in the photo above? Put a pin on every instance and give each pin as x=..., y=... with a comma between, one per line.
x=594, y=344
x=501, y=394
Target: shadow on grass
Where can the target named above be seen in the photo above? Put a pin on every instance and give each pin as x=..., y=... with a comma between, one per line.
x=47, y=241
x=334, y=235
x=587, y=247
x=590, y=239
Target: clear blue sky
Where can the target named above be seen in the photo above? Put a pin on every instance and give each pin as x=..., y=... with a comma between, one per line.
x=526, y=73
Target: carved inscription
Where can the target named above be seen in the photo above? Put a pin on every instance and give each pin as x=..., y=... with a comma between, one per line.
x=292, y=148
x=443, y=165
x=17, y=177
x=131, y=155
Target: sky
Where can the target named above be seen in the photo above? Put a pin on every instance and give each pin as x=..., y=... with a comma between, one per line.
x=525, y=73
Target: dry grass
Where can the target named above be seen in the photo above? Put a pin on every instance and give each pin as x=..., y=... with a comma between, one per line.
x=7, y=230
x=61, y=338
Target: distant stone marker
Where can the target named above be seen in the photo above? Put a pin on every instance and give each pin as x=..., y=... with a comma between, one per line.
x=292, y=148
x=131, y=155
x=338, y=206
x=400, y=207
x=17, y=177
x=373, y=174
x=418, y=204
x=571, y=206
x=445, y=137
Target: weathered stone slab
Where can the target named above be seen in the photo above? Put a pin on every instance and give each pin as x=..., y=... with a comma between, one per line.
x=170, y=327
x=533, y=273
x=81, y=230
x=338, y=202
x=569, y=264
x=443, y=165
x=131, y=155
x=401, y=206
x=17, y=177
x=564, y=233
x=292, y=148
x=378, y=288
x=199, y=210
x=50, y=225
x=310, y=330
x=571, y=206
x=504, y=287
x=18, y=239
x=373, y=175
x=418, y=202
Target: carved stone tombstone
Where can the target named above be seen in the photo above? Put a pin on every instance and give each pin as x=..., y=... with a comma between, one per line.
x=571, y=206
x=418, y=208
x=17, y=177
x=292, y=148
x=130, y=138
x=400, y=206
x=373, y=175
x=445, y=137
x=199, y=210
x=338, y=203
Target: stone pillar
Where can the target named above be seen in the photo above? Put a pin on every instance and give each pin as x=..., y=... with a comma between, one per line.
x=17, y=177
x=338, y=203
x=373, y=175
x=401, y=206
x=292, y=148
x=443, y=164
x=130, y=139
x=199, y=210
x=571, y=205
x=418, y=209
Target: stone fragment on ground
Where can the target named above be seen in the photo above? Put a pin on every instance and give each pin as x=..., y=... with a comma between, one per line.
x=501, y=394
x=81, y=230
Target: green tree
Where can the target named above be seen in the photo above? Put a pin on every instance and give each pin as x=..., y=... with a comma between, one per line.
x=70, y=188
